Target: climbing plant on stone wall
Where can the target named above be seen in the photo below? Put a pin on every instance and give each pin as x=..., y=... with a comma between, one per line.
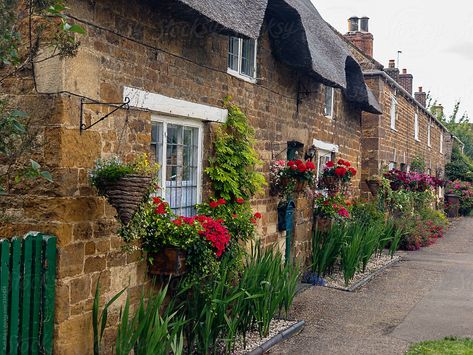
x=233, y=167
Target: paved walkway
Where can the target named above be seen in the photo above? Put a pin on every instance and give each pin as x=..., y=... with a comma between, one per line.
x=426, y=296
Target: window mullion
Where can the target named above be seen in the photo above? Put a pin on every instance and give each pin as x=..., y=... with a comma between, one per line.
x=163, y=167
x=240, y=54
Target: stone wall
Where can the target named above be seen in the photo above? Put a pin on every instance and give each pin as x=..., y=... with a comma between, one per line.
x=132, y=46
x=383, y=145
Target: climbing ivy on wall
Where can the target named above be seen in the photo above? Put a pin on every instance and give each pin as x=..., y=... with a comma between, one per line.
x=232, y=169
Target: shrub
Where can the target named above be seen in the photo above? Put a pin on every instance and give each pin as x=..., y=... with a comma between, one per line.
x=464, y=190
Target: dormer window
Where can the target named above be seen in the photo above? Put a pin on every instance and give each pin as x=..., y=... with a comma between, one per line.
x=242, y=58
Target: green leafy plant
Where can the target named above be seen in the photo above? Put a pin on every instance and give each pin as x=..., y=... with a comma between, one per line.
x=151, y=329
x=418, y=164
x=232, y=169
x=110, y=170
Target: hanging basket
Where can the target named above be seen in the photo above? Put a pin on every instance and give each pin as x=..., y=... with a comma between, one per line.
x=126, y=194
x=168, y=261
x=331, y=183
x=374, y=186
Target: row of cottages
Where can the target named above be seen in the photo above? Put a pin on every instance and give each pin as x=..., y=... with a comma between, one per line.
x=406, y=130
x=289, y=71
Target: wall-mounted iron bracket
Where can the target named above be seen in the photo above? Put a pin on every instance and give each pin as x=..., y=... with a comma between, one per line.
x=118, y=106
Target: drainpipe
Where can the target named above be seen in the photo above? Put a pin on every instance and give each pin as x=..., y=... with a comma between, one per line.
x=290, y=208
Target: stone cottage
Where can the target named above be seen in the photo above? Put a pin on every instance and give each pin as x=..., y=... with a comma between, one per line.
x=173, y=62
x=406, y=130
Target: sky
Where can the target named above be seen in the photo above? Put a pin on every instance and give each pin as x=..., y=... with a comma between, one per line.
x=435, y=37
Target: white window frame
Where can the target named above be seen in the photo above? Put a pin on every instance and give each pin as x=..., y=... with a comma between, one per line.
x=331, y=102
x=429, y=132
x=238, y=73
x=393, y=112
x=416, y=127
x=441, y=142
x=321, y=153
x=186, y=122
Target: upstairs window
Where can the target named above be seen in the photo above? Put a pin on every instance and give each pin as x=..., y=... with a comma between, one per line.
x=393, y=112
x=242, y=58
x=429, y=143
x=328, y=106
x=416, y=127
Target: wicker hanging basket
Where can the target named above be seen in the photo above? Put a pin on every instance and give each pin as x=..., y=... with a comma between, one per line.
x=126, y=194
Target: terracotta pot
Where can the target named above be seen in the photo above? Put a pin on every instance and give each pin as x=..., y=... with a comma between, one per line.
x=126, y=194
x=374, y=186
x=323, y=224
x=453, y=205
x=168, y=261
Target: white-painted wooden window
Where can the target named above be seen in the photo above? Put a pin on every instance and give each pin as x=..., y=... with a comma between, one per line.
x=416, y=127
x=323, y=157
x=329, y=96
x=176, y=145
x=242, y=58
x=393, y=112
x=429, y=142
x=441, y=142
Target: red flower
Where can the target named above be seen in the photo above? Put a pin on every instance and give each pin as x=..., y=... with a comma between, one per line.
x=346, y=163
x=341, y=162
x=213, y=204
x=253, y=220
x=301, y=167
x=161, y=209
x=291, y=163
x=293, y=167
x=343, y=212
x=258, y=215
x=299, y=162
x=309, y=165
x=240, y=200
x=177, y=222
x=222, y=201
x=156, y=200
x=352, y=171
x=235, y=215
x=340, y=172
x=330, y=164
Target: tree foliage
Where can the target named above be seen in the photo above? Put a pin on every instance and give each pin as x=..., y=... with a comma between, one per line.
x=232, y=169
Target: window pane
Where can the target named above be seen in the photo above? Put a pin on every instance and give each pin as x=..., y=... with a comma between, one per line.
x=328, y=101
x=233, y=49
x=248, y=57
x=181, y=176
x=157, y=145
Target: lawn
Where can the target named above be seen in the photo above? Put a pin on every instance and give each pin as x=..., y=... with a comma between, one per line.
x=447, y=346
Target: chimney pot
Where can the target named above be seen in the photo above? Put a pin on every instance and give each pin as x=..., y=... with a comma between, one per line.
x=353, y=24
x=392, y=63
x=364, y=21
x=404, y=71
x=420, y=89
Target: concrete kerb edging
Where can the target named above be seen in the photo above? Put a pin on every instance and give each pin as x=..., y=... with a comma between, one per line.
x=278, y=338
x=368, y=278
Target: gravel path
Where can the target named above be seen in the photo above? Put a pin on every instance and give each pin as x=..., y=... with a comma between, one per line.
x=429, y=294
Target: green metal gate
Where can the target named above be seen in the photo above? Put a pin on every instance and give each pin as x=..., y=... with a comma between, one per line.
x=27, y=288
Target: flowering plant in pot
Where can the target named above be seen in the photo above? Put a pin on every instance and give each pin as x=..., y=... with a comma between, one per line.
x=336, y=174
x=459, y=197
x=177, y=244
x=125, y=185
x=291, y=176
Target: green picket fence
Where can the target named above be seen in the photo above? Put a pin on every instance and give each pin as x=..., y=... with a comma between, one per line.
x=27, y=288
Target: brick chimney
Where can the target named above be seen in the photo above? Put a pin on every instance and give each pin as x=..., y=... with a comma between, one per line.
x=392, y=71
x=405, y=80
x=358, y=34
x=421, y=97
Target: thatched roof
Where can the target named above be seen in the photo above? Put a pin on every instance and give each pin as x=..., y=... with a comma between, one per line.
x=241, y=16
x=307, y=42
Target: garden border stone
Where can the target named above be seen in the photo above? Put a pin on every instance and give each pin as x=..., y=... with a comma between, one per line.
x=368, y=278
x=278, y=338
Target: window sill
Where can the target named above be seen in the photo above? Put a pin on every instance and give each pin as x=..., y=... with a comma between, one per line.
x=241, y=76
x=329, y=117
x=417, y=140
x=394, y=129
